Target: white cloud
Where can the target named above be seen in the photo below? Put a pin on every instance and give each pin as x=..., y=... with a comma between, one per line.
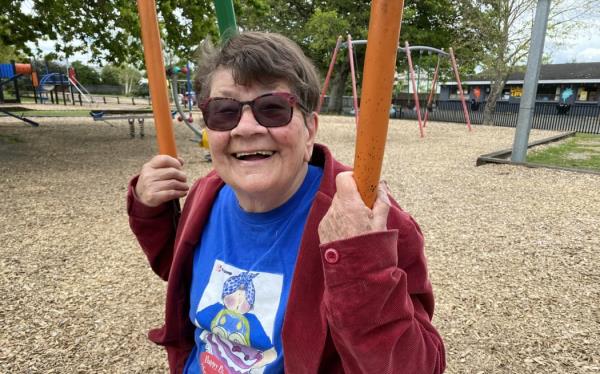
x=580, y=47
x=47, y=46
x=589, y=55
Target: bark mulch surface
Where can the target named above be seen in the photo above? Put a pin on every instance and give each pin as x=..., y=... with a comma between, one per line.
x=513, y=252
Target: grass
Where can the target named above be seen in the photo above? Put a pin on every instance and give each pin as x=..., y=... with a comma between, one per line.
x=581, y=151
x=60, y=113
x=52, y=113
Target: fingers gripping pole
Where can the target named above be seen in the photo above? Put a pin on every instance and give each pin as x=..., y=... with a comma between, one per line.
x=380, y=64
x=157, y=77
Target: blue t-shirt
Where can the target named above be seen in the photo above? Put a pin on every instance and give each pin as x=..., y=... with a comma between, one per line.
x=241, y=279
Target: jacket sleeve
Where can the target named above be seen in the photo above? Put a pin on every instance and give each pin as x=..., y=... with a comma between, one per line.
x=155, y=229
x=379, y=301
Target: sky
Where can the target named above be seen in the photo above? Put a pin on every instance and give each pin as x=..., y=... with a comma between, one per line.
x=580, y=46
x=583, y=46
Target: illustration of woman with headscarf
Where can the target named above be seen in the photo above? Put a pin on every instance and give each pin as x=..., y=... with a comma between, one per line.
x=237, y=338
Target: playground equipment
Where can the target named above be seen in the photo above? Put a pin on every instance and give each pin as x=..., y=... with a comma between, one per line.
x=78, y=86
x=52, y=83
x=201, y=137
x=156, y=71
x=380, y=65
x=130, y=116
x=384, y=29
x=9, y=111
x=408, y=51
x=182, y=116
x=157, y=78
x=10, y=73
x=49, y=87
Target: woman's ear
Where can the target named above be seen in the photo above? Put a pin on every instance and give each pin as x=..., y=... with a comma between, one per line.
x=312, y=125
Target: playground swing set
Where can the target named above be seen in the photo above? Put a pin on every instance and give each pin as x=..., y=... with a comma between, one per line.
x=380, y=63
x=407, y=50
x=378, y=78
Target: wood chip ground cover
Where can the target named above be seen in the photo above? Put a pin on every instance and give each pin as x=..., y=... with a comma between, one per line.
x=513, y=252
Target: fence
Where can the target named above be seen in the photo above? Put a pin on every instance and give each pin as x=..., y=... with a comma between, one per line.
x=65, y=98
x=581, y=117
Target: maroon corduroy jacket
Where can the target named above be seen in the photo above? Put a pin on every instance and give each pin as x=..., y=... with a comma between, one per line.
x=359, y=305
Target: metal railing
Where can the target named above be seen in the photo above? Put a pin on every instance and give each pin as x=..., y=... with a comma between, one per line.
x=581, y=117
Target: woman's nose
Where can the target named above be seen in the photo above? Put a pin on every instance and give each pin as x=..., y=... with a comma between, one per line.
x=248, y=123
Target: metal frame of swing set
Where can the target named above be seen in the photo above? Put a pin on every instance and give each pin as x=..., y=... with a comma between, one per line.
x=380, y=61
x=407, y=50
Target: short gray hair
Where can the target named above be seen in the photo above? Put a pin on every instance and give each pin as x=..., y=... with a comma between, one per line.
x=260, y=57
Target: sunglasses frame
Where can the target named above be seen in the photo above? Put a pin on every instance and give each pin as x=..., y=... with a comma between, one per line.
x=289, y=97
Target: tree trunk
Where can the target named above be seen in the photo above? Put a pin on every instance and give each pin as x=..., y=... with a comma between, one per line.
x=338, y=85
x=490, y=107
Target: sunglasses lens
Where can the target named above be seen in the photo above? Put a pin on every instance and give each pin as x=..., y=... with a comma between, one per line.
x=272, y=110
x=222, y=114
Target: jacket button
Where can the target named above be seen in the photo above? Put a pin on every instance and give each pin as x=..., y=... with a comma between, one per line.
x=332, y=256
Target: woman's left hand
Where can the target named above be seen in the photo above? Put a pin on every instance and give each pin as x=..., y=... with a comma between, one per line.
x=348, y=215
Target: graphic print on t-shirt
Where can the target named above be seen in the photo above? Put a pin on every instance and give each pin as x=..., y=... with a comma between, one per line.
x=237, y=312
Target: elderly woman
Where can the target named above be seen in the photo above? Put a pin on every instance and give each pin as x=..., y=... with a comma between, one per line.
x=275, y=264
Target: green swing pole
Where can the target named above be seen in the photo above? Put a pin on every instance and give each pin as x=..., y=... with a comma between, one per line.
x=225, y=18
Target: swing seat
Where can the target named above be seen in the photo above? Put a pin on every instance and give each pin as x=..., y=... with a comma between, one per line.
x=96, y=114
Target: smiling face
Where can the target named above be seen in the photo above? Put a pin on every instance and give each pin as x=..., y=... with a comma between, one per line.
x=264, y=166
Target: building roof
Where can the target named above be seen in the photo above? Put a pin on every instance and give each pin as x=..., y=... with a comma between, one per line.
x=586, y=72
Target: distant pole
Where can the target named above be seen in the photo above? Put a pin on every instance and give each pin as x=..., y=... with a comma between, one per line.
x=534, y=64
x=354, y=94
x=415, y=87
x=225, y=18
x=461, y=92
x=338, y=43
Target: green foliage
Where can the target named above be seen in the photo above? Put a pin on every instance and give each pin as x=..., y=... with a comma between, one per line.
x=8, y=53
x=86, y=75
x=110, y=75
x=109, y=29
x=581, y=151
x=48, y=66
x=126, y=76
x=320, y=34
x=130, y=78
x=315, y=25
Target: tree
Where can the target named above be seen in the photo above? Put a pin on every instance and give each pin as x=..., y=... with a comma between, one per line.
x=86, y=75
x=130, y=78
x=110, y=75
x=316, y=24
x=108, y=29
x=8, y=53
x=504, y=32
x=125, y=76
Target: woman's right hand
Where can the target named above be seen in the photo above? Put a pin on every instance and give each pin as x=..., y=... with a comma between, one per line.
x=162, y=179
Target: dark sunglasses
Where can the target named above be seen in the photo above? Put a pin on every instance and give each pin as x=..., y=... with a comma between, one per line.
x=274, y=109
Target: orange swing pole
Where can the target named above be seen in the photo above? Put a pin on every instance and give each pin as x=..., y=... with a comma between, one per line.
x=380, y=65
x=157, y=77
